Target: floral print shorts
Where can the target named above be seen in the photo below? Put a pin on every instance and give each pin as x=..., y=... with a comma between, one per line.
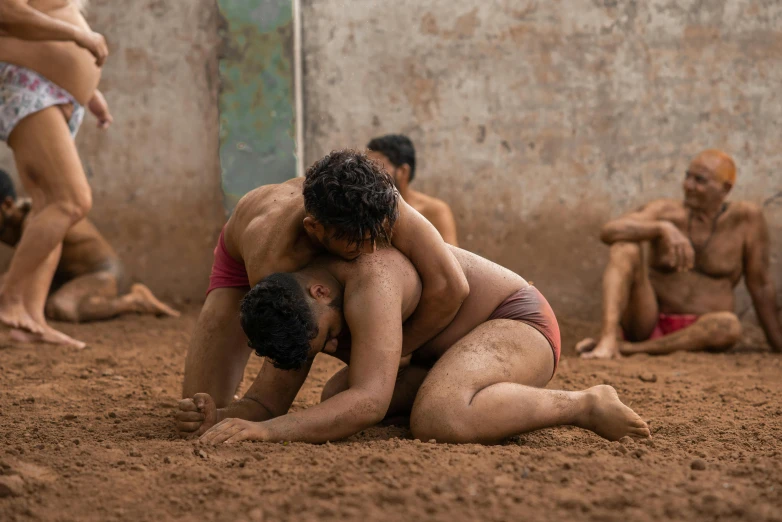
x=24, y=92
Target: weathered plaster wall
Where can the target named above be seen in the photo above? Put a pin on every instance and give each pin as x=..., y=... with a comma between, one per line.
x=538, y=121
x=155, y=174
x=257, y=105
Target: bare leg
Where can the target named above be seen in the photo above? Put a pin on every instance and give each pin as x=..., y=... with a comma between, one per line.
x=488, y=386
x=93, y=297
x=718, y=330
x=218, y=350
x=51, y=172
x=629, y=302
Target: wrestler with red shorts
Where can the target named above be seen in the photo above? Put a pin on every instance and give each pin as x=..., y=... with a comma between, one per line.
x=677, y=294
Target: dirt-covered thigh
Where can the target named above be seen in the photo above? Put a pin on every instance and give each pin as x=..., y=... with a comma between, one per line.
x=496, y=353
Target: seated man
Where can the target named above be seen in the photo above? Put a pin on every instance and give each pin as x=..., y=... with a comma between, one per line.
x=346, y=205
x=397, y=155
x=89, y=283
x=680, y=296
x=481, y=379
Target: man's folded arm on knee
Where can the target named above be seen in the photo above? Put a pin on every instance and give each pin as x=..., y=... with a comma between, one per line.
x=19, y=20
x=270, y=395
x=758, y=277
x=644, y=224
x=373, y=316
x=445, y=286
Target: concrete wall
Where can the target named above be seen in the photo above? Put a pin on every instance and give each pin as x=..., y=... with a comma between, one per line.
x=538, y=121
x=155, y=174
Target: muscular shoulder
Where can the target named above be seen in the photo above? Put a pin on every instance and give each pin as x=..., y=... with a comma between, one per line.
x=262, y=214
x=386, y=271
x=267, y=199
x=431, y=208
x=385, y=261
x=749, y=216
x=746, y=210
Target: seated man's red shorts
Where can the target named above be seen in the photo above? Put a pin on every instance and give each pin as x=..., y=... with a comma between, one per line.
x=670, y=323
x=227, y=272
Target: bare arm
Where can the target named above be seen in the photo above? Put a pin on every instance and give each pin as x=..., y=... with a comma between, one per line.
x=19, y=20
x=99, y=107
x=373, y=314
x=270, y=395
x=445, y=286
x=444, y=222
x=758, y=278
x=647, y=224
x=641, y=225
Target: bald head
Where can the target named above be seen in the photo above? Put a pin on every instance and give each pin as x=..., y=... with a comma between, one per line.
x=718, y=163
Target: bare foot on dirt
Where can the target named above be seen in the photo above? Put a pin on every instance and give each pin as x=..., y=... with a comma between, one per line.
x=607, y=348
x=610, y=418
x=148, y=303
x=14, y=315
x=49, y=336
x=195, y=416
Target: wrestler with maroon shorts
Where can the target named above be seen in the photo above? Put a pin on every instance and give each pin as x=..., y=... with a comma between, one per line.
x=345, y=204
x=480, y=380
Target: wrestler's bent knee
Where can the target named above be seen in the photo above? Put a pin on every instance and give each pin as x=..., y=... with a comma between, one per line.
x=438, y=419
x=724, y=329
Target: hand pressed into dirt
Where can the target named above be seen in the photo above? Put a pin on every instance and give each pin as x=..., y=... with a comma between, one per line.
x=196, y=415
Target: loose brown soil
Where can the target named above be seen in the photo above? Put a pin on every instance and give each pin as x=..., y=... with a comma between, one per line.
x=88, y=435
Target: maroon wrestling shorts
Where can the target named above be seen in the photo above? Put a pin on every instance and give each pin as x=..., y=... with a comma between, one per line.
x=530, y=307
x=227, y=272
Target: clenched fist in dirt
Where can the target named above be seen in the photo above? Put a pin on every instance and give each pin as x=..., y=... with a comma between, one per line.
x=195, y=416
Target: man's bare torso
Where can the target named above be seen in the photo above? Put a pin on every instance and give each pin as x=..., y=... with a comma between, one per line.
x=63, y=63
x=490, y=284
x=718, y=261
x=266, y=232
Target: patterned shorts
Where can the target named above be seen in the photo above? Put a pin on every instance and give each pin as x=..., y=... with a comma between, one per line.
x=24, y=92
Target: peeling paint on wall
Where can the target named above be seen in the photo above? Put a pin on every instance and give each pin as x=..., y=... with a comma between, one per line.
x=538, y=121
x=256, y=101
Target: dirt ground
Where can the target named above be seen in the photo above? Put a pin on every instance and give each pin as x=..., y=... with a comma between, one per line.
x=88, y=435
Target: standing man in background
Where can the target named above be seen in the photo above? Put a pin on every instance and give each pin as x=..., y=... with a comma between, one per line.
x=50, y=66
x=397, y=155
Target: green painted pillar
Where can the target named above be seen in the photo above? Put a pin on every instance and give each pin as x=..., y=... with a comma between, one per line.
x=257, y=96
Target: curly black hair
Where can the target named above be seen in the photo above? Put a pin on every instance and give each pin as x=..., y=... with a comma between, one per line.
x=349, y=192
x=397, y=148
x=278, y=321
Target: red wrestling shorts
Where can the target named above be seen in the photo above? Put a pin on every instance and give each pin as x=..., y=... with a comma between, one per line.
x=227, y=272
x=669, y=323
x=530, y=307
